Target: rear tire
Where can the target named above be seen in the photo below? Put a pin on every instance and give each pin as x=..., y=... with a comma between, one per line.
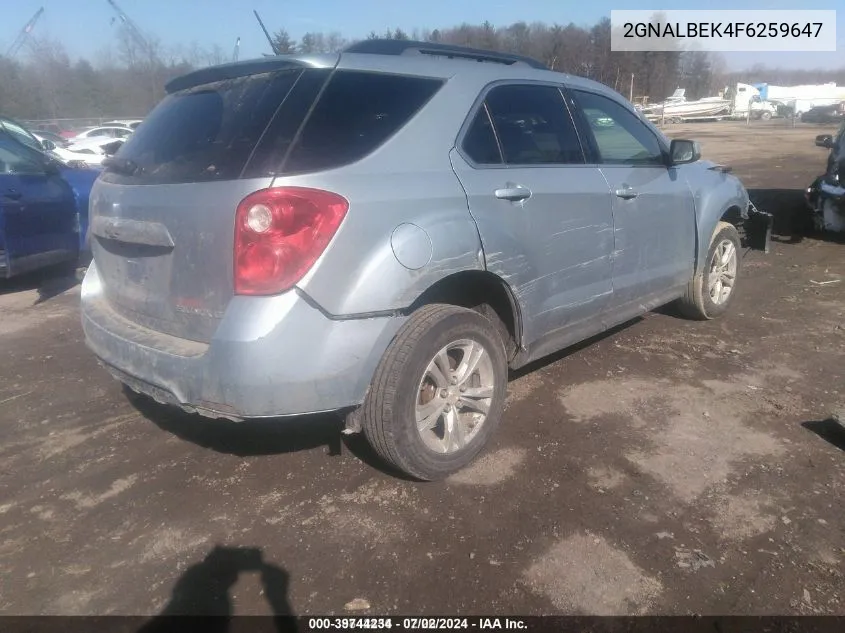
x=710, y=292
x=430, y=423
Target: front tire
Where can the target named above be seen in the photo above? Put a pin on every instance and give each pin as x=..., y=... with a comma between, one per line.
x=711, y=291
x=438, y=393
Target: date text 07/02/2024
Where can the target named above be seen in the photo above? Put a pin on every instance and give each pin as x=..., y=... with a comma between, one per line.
x=414, y=624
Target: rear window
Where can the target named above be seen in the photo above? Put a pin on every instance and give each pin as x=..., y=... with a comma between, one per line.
x=253, y=126
x=204, y=133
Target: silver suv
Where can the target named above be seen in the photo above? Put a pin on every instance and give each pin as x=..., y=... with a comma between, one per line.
x=386, y=231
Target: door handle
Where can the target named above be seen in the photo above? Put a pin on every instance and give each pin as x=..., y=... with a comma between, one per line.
x=12, y=194
x=626, y=193
x=514, y=193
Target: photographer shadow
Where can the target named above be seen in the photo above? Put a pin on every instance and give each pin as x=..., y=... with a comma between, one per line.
x=202, y=597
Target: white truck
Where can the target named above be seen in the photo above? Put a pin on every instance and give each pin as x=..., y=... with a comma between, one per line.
x=745, y=97
x=737, y=102
x=801, y=99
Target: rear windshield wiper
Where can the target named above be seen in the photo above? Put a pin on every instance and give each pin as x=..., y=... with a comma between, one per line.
x=121, y=165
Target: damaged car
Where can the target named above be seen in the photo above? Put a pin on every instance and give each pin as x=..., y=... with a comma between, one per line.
x=826, y=195
x=385, y=232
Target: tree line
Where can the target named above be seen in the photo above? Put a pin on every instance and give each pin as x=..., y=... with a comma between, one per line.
x=129, y=78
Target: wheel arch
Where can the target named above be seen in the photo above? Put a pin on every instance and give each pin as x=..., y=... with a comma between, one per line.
x=484, y=292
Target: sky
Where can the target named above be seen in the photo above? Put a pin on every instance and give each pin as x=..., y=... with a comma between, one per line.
x=85, y=26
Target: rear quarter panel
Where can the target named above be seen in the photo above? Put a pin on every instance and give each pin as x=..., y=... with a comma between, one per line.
x=420, y=218
x=407, y=181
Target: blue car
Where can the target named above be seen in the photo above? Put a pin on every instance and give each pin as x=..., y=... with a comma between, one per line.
x=43, y=205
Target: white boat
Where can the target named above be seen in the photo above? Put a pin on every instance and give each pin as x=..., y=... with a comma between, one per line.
x=677, y=107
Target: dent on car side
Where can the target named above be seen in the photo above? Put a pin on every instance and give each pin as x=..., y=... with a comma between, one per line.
x=715, y=193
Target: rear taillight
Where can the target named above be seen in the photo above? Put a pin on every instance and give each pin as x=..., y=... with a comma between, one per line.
x=280, y=233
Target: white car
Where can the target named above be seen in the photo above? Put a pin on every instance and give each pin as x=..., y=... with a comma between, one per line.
x=89, y=151
x=130, y=123
x=106, y=131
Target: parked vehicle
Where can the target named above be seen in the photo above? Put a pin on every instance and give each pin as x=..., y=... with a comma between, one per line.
x=43, y=205
x=832, y=113
x=826, y=194
x=49, y=140
x=54, y=129
x=130, y=123
x=386, y=231
x=739, y=102
x=90, y=152
x=115, y=131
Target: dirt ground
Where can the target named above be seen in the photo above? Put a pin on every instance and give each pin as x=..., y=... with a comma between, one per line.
x=669, y=467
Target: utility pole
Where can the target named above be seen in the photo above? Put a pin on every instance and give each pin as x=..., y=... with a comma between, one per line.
x=237, y=50
x=20, y=40
x=631, y=98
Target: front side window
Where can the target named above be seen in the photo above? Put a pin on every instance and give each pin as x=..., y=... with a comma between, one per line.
x=620, y=136
x=20, y=134
x=13, y=161
x=533, y=125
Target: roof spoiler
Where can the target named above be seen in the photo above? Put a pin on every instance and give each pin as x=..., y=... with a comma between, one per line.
x=412, y=47
x=242, y=69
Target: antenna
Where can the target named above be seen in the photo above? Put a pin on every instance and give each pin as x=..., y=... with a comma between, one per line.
x=266, y=34
x=20, y=40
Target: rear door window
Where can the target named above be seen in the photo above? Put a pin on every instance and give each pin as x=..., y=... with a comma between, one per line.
x=533, y=125
x=480, y=144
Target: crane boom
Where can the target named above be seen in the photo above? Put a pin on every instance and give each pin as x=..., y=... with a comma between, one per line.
x=133, y=29
x=20, y=40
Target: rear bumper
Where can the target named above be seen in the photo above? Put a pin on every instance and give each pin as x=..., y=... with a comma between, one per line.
x=270, y=356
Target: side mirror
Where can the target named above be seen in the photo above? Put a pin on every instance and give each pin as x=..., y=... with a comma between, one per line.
x=824, y=140
x=682, y=152
x=51, y=167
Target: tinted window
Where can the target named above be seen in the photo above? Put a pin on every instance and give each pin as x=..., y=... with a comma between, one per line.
x=480, y=143
x=20, y=134
x=621, y=138
x=204, y=133
x=13, y=161
x=533, y=125
x=274, y=144
x=357, y=112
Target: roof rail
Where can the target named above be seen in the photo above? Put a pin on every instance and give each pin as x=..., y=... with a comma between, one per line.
x=411, y=47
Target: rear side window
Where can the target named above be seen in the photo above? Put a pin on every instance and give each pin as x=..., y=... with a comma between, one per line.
x=205, y=133
x=357, y=112
x=534, y=125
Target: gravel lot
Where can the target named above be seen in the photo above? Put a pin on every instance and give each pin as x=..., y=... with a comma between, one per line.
x=669, y=467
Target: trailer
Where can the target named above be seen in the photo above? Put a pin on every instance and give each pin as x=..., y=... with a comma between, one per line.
x=741, y=101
